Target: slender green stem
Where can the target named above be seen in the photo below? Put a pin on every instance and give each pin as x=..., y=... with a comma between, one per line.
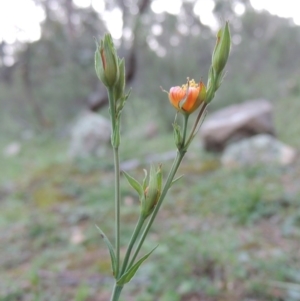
x=202, y=110
x=116, y=292
x=112, y=108
x=117, y=177
x=117, y=208
x=185, y=124
x=186, y=118
x=132, y=241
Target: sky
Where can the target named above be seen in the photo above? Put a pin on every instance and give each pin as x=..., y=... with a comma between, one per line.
x=23, y=24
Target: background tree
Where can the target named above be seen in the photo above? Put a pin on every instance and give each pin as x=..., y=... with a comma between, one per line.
x=53, y=78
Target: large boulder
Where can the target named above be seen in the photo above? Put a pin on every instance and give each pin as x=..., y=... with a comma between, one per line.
x=260, y=149
x=237, y=122
x=90, y=135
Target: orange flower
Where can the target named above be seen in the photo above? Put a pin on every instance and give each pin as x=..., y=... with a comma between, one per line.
x=188, y=97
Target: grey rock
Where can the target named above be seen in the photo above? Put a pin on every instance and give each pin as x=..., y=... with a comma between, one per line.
x=259, y=149
x=90, y=135
x=235, y=123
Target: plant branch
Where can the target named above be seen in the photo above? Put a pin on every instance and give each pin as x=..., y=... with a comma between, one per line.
x=202, y=110
x=112, y=109
x=176, y=163
x=132, y=241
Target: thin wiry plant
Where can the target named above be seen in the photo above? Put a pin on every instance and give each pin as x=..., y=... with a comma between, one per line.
x=152, y=190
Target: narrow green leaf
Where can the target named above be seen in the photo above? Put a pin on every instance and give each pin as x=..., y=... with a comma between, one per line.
x=145, y=180
x=128, y=94
x=125, y=278
x=111, y=250
x=176, y=180
x=98, y=63
x=134, y=183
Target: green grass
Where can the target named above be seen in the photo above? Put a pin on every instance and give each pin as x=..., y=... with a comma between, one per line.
x=34, y=154
x=222, y=234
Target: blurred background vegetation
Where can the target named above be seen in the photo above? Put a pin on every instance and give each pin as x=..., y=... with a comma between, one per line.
x=234, y=235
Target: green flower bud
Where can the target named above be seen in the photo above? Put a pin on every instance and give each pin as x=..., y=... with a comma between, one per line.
x=152, y=192
x=107, y=62
x=120, y=84
x=222, y=49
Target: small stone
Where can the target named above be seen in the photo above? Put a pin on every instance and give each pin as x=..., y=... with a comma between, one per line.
x=259, y=149
x=12, y=149
x=77, y=236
